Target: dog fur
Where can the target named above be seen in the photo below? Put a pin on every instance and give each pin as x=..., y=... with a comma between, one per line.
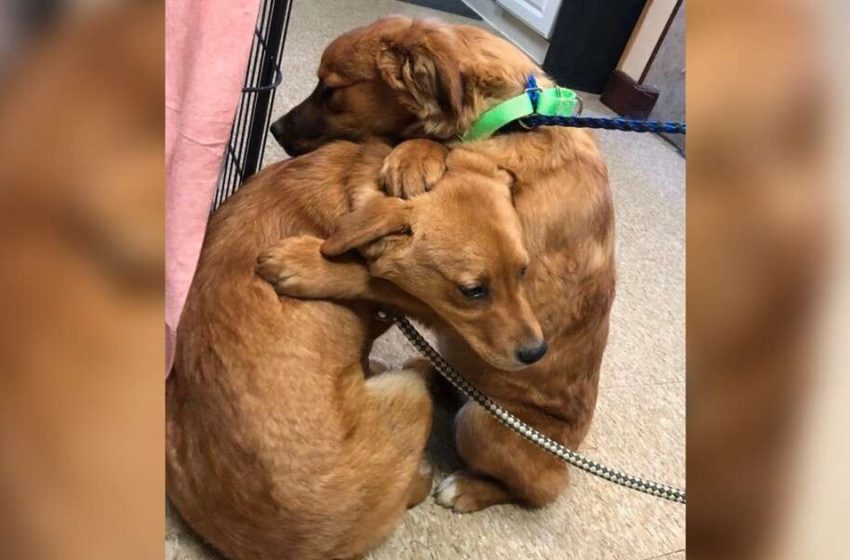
x=399, y=78
x=278, y=445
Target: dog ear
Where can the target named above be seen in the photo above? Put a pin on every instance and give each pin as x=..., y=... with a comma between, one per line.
x=380, y=217
x=423, y=65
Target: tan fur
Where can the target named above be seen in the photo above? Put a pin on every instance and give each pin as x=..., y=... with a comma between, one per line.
x=413, y=168
x=420, y=253
x=278, y=446
x=561, y=194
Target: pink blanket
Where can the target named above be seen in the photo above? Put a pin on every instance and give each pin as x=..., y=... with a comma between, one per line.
x=208, y=44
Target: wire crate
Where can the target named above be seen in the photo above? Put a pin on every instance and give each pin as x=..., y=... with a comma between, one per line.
x=244, y=153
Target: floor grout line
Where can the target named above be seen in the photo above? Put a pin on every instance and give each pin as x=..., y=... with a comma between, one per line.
x=665, y=554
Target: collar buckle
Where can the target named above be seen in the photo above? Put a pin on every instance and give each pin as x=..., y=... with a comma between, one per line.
x=534, y=100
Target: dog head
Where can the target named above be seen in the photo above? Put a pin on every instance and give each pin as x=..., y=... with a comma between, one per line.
x=400, y=78
x=459, y=249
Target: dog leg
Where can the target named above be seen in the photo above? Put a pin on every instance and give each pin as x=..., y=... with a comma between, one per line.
x=401, y=405
x=395, y=417
x=420, y=488
x=511, y=468
x=413, y=167
x=465, y=492
x=295, y=267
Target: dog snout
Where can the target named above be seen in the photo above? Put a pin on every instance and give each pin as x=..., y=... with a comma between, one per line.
x=531, y=353
x=277, y=129
x=296, y=132
x=284, y=132
x=287, y=131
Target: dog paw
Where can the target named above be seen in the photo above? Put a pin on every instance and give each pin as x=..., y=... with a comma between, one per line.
x=448, y=493
x=292, y=265
x=413, y=168
x=465, y=493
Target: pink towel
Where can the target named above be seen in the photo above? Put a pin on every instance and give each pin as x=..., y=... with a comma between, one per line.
x=208, y=44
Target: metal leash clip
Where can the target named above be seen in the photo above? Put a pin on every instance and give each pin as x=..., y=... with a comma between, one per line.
x=384, y=316
x=579, y=106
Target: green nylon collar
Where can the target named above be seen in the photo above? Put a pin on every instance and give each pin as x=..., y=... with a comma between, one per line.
x=556, y=101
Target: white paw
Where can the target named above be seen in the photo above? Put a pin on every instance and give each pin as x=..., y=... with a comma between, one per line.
x=446, y=491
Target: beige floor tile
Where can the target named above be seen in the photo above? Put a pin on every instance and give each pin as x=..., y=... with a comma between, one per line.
x=641, y=430
x=678, y=555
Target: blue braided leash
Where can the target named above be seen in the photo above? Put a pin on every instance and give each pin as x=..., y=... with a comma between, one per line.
x=626, y=125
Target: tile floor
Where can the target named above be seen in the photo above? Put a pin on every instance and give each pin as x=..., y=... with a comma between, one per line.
x=640, y=419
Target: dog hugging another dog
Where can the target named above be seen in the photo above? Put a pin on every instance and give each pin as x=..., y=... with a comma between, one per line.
x=281, y=444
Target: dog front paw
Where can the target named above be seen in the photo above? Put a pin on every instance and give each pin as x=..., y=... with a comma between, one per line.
x=293, y=266
x=413, y=168
x=464, y=492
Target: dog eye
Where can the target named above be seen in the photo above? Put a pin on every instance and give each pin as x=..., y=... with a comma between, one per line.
x=522, y=271
x=474, y=291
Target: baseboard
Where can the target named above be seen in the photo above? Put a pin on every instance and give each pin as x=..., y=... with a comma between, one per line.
x=628, y=98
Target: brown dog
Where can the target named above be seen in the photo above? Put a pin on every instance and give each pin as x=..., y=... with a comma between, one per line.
x=277, y=444
x=399, y=78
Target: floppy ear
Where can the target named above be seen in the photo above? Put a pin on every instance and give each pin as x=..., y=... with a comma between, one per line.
x=423, y=64
x=380, y=217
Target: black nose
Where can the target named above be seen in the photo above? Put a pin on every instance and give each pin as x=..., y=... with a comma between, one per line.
x=277, y=130
x=532, y=353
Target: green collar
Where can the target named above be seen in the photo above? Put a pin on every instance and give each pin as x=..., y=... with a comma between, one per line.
x=555, y=101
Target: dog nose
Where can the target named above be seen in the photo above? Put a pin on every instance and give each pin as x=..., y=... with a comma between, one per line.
x=277, y=129
x=532, y=353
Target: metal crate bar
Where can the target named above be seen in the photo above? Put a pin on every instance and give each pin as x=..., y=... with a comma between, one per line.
x=244, y=153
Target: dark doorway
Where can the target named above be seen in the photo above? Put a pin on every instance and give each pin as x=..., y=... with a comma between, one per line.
x=588, y=40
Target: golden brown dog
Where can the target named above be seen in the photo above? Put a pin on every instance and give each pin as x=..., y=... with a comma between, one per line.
x=277, y=444
x=399, y=78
